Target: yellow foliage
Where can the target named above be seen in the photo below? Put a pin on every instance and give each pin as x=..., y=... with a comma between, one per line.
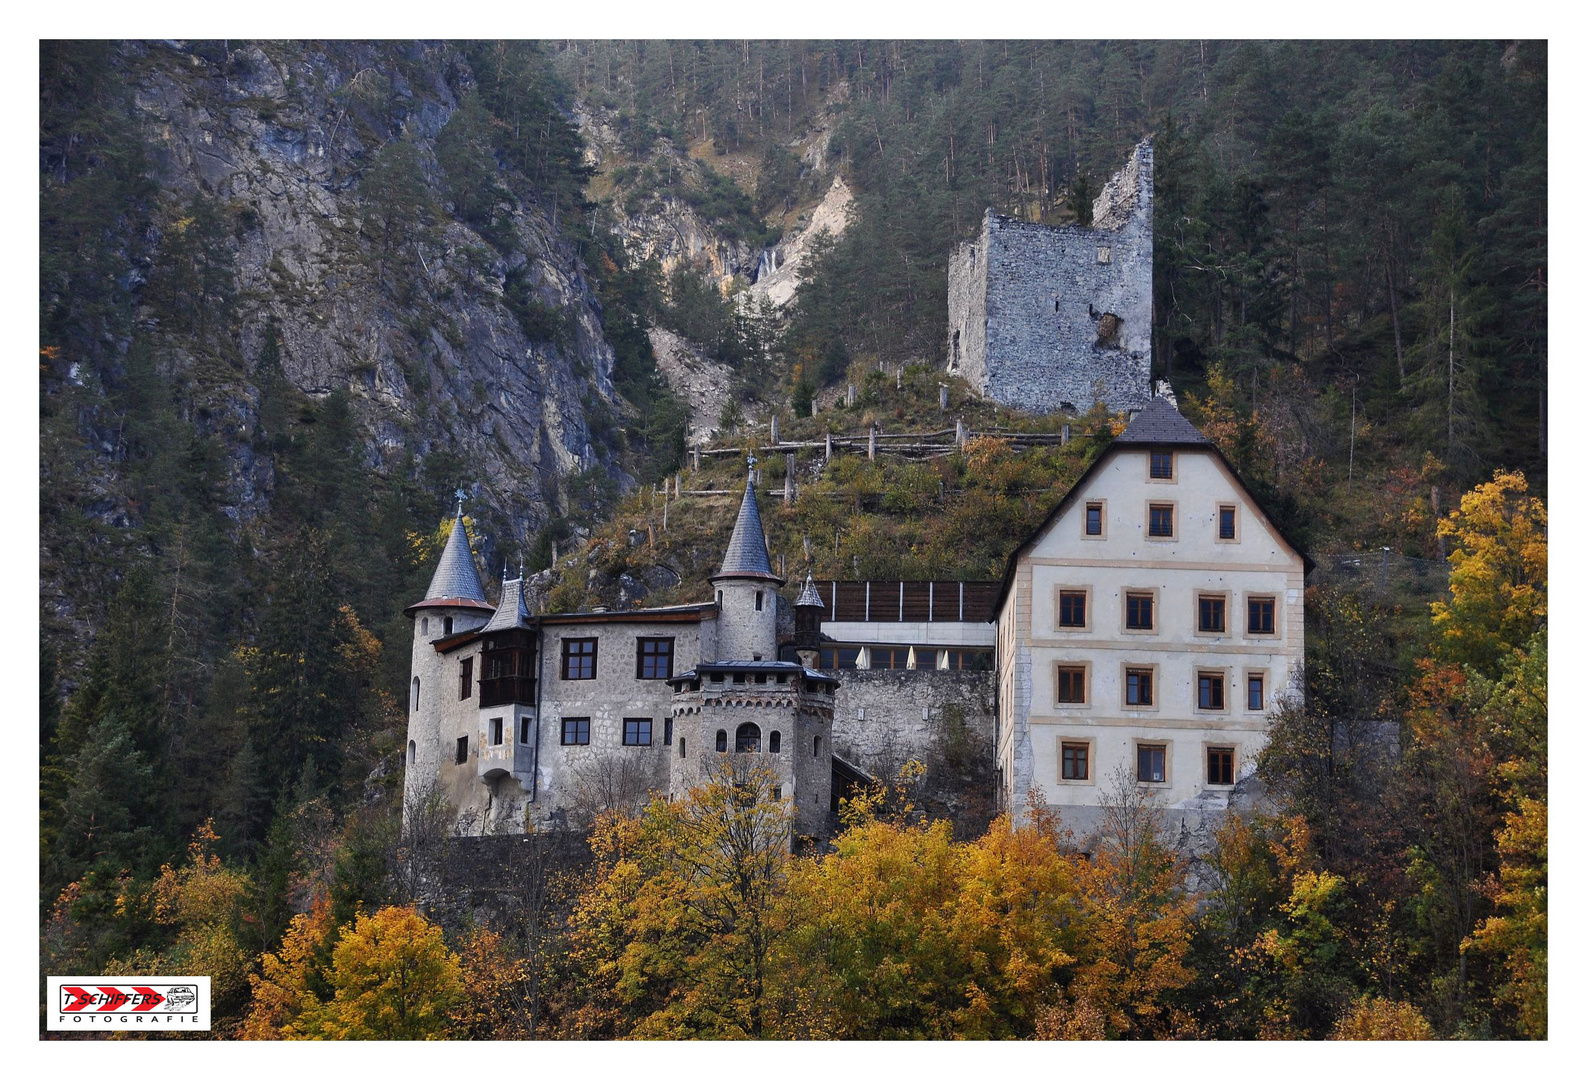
x=1377, y=1019
x=1498, y=579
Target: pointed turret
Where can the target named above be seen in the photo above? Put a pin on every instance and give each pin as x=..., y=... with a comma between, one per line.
x=513, y=611
x=456, y=577
x=807, y=624
x=746, y=588
x=746, y=555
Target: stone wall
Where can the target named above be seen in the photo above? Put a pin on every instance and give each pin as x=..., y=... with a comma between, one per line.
x=1055, y=318
x=884, y=718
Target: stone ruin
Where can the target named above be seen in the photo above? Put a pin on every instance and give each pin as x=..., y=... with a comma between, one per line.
x=1055, y=318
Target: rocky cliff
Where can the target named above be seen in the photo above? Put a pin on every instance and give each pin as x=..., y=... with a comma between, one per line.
x=488, y=347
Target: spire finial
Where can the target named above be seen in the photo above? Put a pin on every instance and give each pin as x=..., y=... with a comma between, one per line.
x=461, y=495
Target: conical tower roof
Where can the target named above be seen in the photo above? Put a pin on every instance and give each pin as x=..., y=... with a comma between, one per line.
x=513, y=611
x=746, y=555
x=809, y=597
x=456, y=577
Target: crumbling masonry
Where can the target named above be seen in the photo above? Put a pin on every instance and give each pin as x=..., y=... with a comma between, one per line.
x=1053, y=319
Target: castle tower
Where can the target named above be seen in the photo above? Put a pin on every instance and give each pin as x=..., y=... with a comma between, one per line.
x=746, y=588
x=807, y=624
x=454, y=603
x=1055, y=318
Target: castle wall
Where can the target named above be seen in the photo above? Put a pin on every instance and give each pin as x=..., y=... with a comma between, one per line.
x=1031, y=304
x=575, y=780
x=884, y=718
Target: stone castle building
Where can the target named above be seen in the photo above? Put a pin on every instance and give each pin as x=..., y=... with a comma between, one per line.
x=1055, y=318
x=1145, y=631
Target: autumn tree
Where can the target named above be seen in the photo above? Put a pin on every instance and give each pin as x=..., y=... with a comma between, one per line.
x=674, y=934
x=1138, y=918
x=1498, y=581
x=391, y=976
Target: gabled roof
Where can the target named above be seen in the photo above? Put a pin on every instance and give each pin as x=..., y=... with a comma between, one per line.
x=746, y=555
x=513, y=611
x=1157, y=424
x=456, y=582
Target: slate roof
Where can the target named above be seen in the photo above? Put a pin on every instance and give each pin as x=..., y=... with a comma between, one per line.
x=456, y=577
x=746, y=554
x=513, y=611
x=1159, y=424
x=811, y=597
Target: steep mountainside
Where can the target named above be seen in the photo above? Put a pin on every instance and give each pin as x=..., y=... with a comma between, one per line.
x=303, y=212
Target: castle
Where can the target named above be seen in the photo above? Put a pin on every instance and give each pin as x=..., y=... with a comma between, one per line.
x=1145, y=630
x=1052, y=319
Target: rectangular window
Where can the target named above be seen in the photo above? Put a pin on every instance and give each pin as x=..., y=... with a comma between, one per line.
x=465, y=679
x=575, y=731
x=1254, y=692
x=889, y=657
x=666, y=732
x=1094, y=519
x=1162, y=520
x=654, y=658
x=1076, y=761
x=1209, y=690
x=1225, y=523
x=1259, y=615
x=1162, y=465
x=760, y=598
x=578, y=658
x=969, y=659
x=1138, y=611
x=1209, y=619
x=1220, y=765
x=1071, y=686
x=1072, y=608
x=495, y=731
x=1151, y=763
x=462, y=750
x=636, y=732
x=925, y=659
x=523, y=730
x=1137, y=686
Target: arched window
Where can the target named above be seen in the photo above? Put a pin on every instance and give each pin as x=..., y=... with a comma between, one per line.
x=413, y=752
x=747, y=739
x=721, y=742
x=415, y=693
x=448, y=624
x=424, y=625
x=818, y=746
x=776, y=742
x=719, y=598
x=683, y=747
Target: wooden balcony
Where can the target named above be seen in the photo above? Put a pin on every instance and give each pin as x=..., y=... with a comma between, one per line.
x=508, y=690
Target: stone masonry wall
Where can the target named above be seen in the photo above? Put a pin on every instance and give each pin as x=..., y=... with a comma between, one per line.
x=883, y=718
x=1054, y=318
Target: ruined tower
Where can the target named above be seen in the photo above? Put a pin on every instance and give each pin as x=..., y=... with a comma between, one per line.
x=1054, y=318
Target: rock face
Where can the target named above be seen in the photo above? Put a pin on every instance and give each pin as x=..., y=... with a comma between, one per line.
x=432, y=355
x=777, y=279
x=705, y=384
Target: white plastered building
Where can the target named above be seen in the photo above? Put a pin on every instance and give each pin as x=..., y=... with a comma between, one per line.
x=1146, y=631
